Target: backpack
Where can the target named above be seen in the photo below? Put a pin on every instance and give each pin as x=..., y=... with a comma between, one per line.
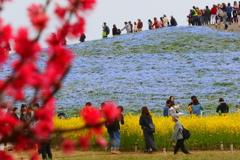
x=158, y=24
x=151, y=127
x=107, y=30
x=141, y=24
x=185, y=133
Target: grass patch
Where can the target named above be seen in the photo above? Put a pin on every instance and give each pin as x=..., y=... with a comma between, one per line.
x=224, y=84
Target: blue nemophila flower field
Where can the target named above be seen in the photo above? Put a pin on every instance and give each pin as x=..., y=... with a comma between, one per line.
x=145, y=68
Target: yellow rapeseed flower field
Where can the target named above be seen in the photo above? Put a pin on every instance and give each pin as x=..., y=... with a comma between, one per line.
x=206, y=132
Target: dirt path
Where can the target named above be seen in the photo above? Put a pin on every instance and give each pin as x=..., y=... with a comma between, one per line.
x=101, y=155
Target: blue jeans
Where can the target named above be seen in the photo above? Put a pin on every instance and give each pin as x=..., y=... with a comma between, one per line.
x=115, y=139
x=229, y=17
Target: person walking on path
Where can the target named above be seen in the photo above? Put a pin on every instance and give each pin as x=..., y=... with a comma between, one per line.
x=229, y=13
x=173, y=21
x=135, y=29
x=150, y=24
x=139, y=25
x=178, y=135
x=105, y=30
x=131, y=26
x=195, y=16
x=238, y=17
x=196, y=107
x=190, y=18
x=45, y=147
x=155, y=24
x=224, y=17
x=82, y=37
x=165, y=21
x=114, y=132
x=207, y=16
x=114, y=30
x=223, y=107
x=145, y=120
x=235, y=20
x=213, y=14
x=127, y=27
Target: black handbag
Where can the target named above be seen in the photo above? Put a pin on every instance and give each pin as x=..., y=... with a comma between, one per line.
x=151, y=127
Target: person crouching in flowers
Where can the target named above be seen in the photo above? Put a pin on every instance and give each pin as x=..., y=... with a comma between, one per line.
x=178, y=135
x=114, y=132
x=145, y=120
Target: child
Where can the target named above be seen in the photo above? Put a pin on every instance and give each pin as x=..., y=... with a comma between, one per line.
x=177, y=135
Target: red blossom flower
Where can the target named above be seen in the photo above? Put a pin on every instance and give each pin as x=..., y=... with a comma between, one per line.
x=5, y=156
x=43, y=128
x=98, y=130
x=35, y=157
x=37, y=16
x=57, y=65
x=84, y=4
x=24, y=143
x=88, y=4
x=26, y=74
x=101, y=141
x=19, y=95
x=110, y=111
x=5, y=32
x=3, y=55
x=78, y=28
x=60, y=12
x=1, y=84
x=26, y=48
x=7, y=123
x=91, y=115
x=44, y=114
x=68, y=146
x=84, y=143
x=53, y=40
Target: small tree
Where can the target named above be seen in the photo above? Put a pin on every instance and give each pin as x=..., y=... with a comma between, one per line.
x=45, y=83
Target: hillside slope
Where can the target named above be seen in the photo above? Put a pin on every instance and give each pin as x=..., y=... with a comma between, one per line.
x=145, y=68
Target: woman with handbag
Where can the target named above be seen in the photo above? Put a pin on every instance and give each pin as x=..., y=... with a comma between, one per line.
x=148, y=130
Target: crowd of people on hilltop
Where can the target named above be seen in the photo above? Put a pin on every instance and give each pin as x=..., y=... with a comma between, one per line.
x=220, y=13
x=137, y=26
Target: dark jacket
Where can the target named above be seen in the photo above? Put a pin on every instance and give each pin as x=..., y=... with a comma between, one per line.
x=144, y=122
x=82, y=37
x=114, y=31
x=165, y=111
x=131, y=27
x=207, y=13
x=112, y=127
x=223, y=107
x=173, y=22
x=15, y=116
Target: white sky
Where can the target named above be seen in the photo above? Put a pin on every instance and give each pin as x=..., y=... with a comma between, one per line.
x=110, y=11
